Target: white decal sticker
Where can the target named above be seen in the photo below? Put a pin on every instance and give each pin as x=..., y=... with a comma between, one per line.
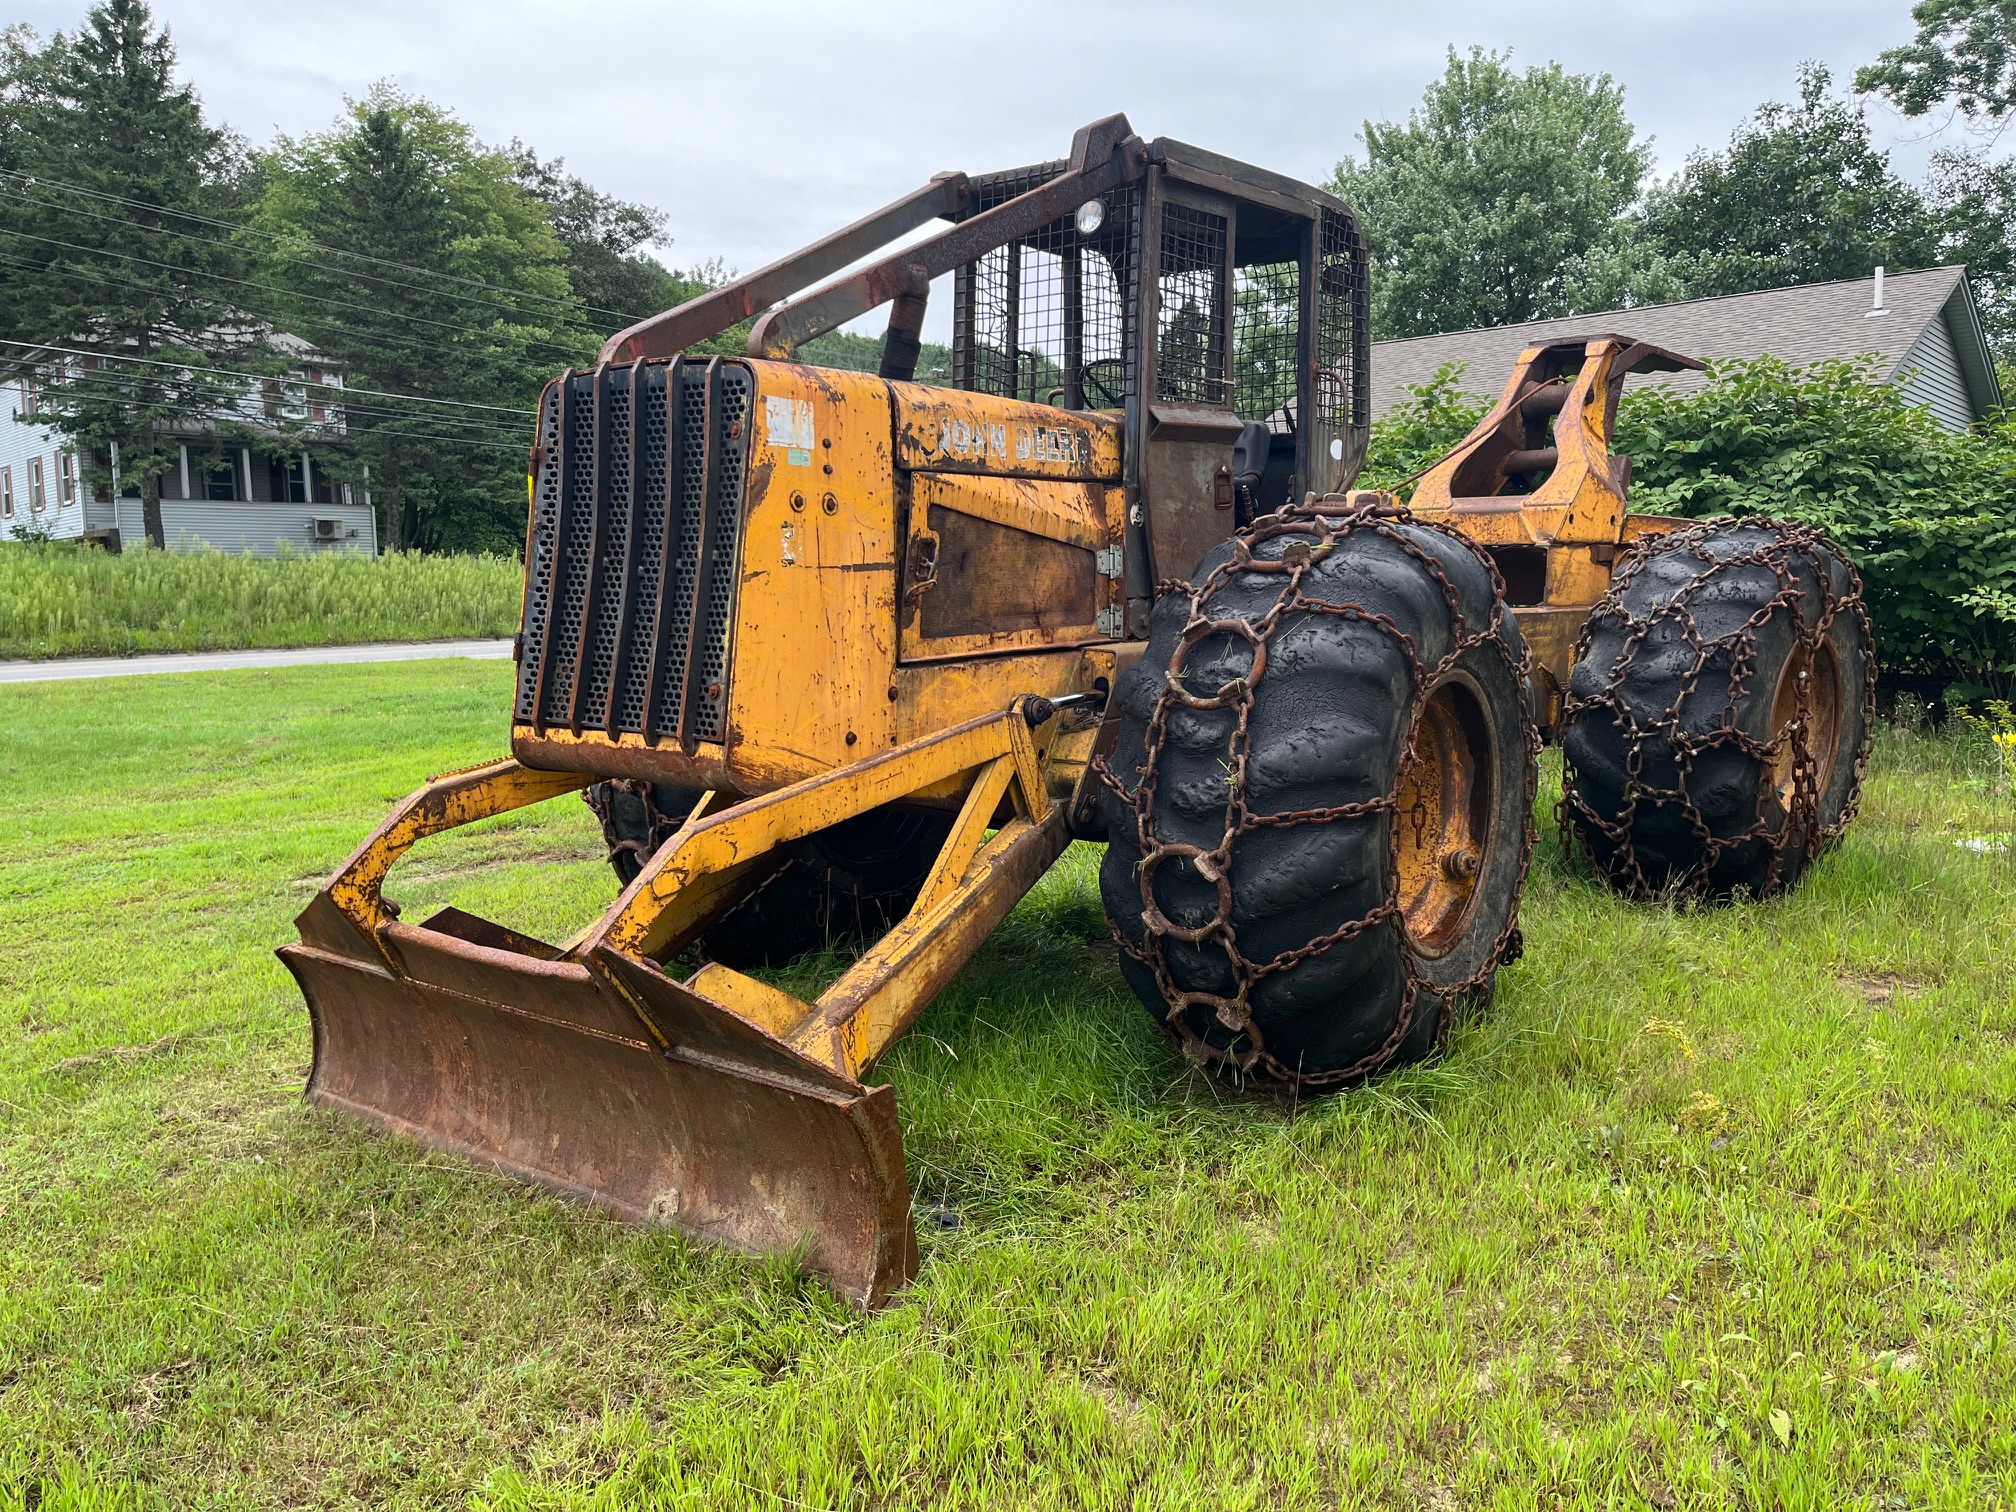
x=788, y=422
x=1046, y=445
x=977, y=441
x=789, y=559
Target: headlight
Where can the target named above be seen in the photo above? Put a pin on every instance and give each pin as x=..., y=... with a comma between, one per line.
x=1091, y=216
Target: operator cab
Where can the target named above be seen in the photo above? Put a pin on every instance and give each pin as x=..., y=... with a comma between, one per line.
x=1220, y=310
x=1214, y=304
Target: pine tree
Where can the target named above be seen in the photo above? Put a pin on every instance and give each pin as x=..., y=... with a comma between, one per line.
x=478, y=310
x=101, y=141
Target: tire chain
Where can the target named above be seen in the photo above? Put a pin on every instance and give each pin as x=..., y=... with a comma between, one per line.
x=1330, y=520
x=659, y=826
x=1801, y=826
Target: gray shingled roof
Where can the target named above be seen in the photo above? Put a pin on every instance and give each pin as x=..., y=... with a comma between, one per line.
x=1801, y=325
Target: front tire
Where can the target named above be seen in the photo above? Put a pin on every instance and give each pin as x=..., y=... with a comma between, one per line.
x=1720, y=711
x=1319, y=805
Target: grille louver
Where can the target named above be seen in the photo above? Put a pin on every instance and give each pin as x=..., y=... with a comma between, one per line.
x=631, y=560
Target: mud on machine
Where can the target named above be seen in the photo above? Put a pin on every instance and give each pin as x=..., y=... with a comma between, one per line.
x=842, y=656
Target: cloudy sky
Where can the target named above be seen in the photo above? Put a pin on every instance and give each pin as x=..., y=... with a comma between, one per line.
x=758, y=127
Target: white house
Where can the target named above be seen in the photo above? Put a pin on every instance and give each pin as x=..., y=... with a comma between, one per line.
x=254, y=499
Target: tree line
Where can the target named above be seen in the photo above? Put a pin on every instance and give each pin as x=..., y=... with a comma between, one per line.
x=1512, y=195
x=447, y=279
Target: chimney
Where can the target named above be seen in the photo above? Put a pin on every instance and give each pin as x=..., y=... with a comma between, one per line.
x=1876, y=305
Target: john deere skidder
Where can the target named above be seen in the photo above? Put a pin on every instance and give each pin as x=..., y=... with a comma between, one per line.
x=840, y=656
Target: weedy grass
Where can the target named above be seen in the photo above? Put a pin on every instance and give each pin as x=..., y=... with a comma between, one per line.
x=61, y=600
x=1712, y=1206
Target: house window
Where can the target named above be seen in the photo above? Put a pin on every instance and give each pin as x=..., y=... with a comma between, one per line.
x=36, y=499
x=66, y=478
x=27, y=396
x=6, y=493
x=317, y=410
x=220, y=479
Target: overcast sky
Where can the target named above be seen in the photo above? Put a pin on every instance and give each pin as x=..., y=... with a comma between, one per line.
x=759, y=127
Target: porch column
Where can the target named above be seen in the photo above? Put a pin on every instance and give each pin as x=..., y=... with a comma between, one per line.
x=185, y=470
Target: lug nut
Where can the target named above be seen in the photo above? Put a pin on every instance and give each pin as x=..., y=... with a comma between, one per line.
x=1461, y=863
x=830, y=504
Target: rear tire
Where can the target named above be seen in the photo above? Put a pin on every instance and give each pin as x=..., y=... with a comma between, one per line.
x=1720, y=711
x=1297, y=900
x=843, y=886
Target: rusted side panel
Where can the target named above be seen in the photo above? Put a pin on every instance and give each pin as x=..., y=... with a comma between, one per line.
x=996, y=587
x=1187, y=448
x=1000, y=564
x=815, y=636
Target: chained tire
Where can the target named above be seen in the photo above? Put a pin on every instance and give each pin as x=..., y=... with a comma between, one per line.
x=1319, y=805
x=1720, y=711
x=845, y=886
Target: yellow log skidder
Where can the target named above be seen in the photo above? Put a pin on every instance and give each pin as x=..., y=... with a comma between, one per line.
x=842, y=656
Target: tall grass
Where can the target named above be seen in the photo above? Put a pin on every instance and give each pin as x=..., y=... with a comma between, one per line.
x=59, y=600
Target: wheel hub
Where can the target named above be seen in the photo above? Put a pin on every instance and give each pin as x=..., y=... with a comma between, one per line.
x=1443, y=818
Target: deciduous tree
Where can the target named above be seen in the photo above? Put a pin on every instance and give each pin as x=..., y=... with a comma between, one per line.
x=1490, y=204
x=1800, y=195
x=1964, y=52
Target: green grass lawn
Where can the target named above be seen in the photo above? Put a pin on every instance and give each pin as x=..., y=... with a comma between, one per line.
x=1711, y=1208
x=64, y=600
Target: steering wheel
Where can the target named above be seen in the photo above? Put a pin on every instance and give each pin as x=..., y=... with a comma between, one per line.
x=1110, y=386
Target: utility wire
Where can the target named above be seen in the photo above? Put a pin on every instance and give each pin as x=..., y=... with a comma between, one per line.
x=338, y=388
x=383, y=262
x=217, y=241
x=130, y=383
x=341, y=440
x=252, y=283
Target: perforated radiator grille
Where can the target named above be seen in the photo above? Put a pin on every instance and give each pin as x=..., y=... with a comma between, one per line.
x=631, y=558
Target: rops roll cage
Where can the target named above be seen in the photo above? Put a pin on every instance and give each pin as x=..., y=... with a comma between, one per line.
x=1231, y=293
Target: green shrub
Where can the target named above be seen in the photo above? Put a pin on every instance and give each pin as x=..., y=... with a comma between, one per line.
x=1412, y=437
x=1927, y=515
x=67, y=600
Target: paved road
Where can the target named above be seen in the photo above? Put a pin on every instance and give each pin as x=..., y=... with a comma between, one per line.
x=63, y=668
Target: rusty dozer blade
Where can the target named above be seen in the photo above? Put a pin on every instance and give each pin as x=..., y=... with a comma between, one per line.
x=720, y=1105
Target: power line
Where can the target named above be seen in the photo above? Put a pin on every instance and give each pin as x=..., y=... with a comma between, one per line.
x=129, y=383
x=383, y=262
x=218, y=241
x=336, y=398
x=45, y=346
x=251, y=283
x=339, y=442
